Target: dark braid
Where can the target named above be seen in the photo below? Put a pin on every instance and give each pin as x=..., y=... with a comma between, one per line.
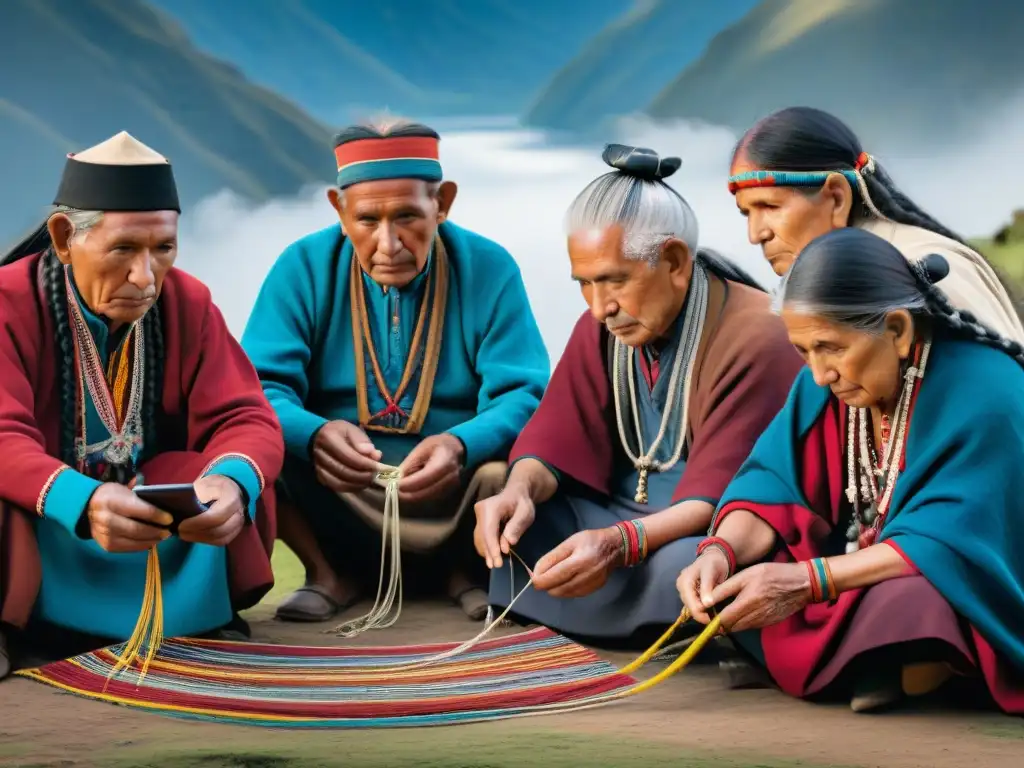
x=897, y=206
x=959, y=323
x=152, y=328
x=56, y=295
x=727, y=269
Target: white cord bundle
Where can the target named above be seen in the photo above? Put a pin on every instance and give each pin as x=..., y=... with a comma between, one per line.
x=385, y=610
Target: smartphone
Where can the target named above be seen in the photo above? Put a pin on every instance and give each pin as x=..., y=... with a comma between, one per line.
x=178, y=500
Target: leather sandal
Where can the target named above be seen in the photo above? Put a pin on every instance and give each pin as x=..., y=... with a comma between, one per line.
x=312, y=603
x=473, y=601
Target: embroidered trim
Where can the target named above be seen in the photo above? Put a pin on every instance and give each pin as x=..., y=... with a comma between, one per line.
x=45, y=491
x=252, y=464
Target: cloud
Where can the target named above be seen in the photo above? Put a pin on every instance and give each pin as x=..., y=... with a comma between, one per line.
x=514, y=186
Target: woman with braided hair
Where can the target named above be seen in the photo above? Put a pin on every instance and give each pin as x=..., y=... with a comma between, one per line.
x=870, y=544
x=119, y=371
x=801, y=172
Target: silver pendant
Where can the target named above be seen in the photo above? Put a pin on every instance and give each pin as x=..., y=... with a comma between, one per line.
x=119, y=451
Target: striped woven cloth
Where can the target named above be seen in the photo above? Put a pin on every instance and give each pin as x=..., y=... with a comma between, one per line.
x=348, y=687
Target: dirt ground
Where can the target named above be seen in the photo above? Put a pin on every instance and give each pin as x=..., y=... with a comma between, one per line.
x=690, y=720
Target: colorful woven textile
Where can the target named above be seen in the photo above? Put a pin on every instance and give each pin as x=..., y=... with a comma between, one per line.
x=350, y=687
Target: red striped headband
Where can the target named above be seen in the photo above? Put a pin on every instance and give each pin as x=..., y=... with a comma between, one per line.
x=393, y=157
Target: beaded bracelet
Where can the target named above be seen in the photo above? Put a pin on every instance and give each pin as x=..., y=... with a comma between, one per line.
x=634, y=542
x=723, y=546
x=823, y=587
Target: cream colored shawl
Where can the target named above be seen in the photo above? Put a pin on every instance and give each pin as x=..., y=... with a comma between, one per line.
x=971, y=284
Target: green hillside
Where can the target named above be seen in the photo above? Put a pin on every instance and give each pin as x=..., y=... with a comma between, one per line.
x=85, y=70
x=894, y=71
x=1005, y=249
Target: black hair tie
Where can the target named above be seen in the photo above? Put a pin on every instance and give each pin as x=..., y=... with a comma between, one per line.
x=640, y=162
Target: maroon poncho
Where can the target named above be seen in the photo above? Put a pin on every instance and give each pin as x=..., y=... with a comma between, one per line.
x=211, y=393
x=743, y=372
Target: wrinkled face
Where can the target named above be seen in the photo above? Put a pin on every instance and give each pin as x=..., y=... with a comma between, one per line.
x=392, y=224
x=637, y=302
x=783, y=220
x=119, y=265
x=862, y=369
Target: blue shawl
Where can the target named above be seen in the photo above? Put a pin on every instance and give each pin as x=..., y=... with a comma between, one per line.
x=957, y=510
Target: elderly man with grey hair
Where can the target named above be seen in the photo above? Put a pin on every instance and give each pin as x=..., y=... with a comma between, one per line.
x=662, y=390
x=393, y=338
x=120, y=374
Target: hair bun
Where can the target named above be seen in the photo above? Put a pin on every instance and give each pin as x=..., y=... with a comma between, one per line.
x=640, y=162
x=934, y=267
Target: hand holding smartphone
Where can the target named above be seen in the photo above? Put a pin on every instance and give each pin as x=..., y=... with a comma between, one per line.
x=178, y=500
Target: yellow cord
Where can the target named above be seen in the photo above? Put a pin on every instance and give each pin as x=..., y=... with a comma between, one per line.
x=149, y=629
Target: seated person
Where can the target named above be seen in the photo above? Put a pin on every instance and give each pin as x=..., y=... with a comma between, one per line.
x=877, y=523
x=393, y=337
x=119, y=370
x=662, y=390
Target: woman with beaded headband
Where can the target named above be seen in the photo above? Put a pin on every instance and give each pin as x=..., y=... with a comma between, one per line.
x=118, y=371
x=801, y=172
x=873, y=536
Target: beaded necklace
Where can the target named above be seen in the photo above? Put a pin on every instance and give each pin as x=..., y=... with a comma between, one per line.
x=119, y=410
x=435, y=300
x=870, y=482
x=682, y=367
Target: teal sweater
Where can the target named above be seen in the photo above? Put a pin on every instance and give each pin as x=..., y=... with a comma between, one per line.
x=493, y=366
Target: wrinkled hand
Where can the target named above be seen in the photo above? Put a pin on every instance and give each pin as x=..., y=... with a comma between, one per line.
x=432, y=468
x=120, y=521
x=580, y=564
x=344, y=457
x=764, y=594
x=697, y=582
x=225, y=518
x=500, y=522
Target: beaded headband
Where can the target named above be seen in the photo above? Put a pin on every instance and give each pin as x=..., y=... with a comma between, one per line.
x=739, y=181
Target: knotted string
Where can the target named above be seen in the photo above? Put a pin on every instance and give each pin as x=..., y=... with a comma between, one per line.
x=387, y=607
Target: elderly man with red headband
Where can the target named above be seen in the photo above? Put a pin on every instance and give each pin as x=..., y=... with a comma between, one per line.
x=392, y=338
x=801, y=172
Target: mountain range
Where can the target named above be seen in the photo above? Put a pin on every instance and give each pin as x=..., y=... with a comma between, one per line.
x=628, y=63
x=245, y=95
x=341, y=58
x=900, y=70
x=83, y=71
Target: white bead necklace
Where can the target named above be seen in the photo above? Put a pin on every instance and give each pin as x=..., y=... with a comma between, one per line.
x=682, y=366
x=861, y=471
